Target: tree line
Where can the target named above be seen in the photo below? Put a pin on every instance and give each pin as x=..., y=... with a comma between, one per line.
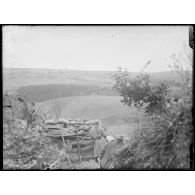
x=40, y=93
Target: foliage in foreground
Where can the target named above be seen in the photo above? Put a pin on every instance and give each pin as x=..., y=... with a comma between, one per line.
x=25, y=145
x=166, y=145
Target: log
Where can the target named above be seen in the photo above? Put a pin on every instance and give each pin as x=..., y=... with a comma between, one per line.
x=76, y=123
x=78, y=147
x=83, y=149
x=66, y=152
x=63, y=121
x=69, y=136
x=53, y=126
x=51, y=122
x=93, y=122
x=83, y=143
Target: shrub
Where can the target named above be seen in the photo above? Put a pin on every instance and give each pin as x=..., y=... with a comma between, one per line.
x=164, y=143
x=25, y=146
x=21, y=148
x=139, y=90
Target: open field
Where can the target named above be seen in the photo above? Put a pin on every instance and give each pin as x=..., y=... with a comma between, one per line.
x=17, y=77
x=116, y=117
x=109, y=109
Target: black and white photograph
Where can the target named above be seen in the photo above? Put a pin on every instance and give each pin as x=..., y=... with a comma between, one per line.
x=97, y=97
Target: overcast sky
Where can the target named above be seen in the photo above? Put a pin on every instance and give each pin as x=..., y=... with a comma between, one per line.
x=92, y=47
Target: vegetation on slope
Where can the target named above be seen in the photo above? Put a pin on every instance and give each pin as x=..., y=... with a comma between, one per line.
x=167, y=141
x=40, y=93
x=25, y=145
x=106, y=108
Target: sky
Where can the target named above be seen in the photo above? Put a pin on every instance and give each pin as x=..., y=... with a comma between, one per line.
x=93, y=47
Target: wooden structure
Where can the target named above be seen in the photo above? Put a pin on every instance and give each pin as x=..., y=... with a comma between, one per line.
x=74, y=133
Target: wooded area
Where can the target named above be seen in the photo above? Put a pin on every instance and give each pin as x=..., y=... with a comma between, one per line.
x=40, y=93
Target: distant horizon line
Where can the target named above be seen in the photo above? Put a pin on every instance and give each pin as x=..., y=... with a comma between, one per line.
x=81, y=70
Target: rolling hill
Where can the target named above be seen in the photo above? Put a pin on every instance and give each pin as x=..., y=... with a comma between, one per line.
x=14, y=78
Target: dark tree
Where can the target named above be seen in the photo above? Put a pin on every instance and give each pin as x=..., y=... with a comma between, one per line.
x=139, y=90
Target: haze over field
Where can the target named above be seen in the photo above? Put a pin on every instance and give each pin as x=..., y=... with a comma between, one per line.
x=88, y=55
x=14, y=78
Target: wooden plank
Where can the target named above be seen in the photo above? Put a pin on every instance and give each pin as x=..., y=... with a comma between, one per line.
x=78, y=147
x=83, y=143
x=52, y=126
x=84, y=149
x=67, y=136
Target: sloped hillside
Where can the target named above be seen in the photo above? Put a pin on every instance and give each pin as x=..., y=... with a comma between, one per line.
x=14, y=78
x=108, y=109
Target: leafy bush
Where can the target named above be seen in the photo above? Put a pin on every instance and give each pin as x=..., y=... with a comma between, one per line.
x=139, y=90
x=166, y=145
x=20, y=148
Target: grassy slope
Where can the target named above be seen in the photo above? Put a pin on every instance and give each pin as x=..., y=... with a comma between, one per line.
x=15, y=78
x=114, y=115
